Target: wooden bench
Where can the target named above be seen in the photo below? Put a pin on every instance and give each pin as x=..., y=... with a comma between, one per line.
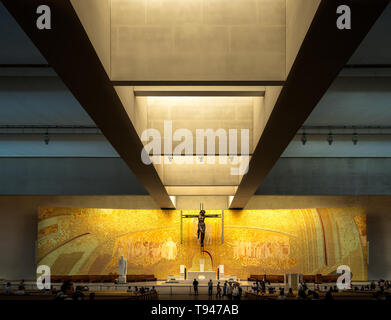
x=102, y=278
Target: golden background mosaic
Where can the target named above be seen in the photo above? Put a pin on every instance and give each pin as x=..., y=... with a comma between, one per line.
x=308, y=241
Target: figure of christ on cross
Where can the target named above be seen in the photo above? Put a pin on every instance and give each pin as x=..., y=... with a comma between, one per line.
x=201, y=223
x=202, y=227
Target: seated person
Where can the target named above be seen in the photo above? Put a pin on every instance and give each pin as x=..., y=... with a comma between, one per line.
x=8, y=288
x=281, y=296
x=301, y=295
x=271, y=290
x=315, y=295
x=78, y=295
x=20, y=291
x=53, y=289
x=329, y=296
x=290, y=293
x=66, y=291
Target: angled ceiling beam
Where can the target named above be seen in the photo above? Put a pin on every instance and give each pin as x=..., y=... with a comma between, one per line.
x=70, y=53
x=323, y=54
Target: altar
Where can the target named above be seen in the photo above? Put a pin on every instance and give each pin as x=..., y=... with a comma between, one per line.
x=201, y=275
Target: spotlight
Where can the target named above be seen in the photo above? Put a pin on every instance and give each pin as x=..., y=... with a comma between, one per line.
x=46, y=138
x=304, y=138
x=355, y=138
x=330, y=139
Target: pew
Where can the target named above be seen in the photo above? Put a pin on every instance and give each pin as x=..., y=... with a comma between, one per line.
x=102, y=278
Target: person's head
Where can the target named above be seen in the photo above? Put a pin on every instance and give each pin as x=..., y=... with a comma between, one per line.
x=8, y=284
x=92, y=296
x=129, y=287
x=65, y=286
x=20, y=288
x=195, y=280
x=290, y=291
x=69, y=290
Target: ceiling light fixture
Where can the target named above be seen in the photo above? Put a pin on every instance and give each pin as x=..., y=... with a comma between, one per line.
x=304, y=138
x=46, y=138
x=355, y=138
x=330, y=138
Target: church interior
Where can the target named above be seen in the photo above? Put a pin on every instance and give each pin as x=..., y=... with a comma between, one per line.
x=204, y=149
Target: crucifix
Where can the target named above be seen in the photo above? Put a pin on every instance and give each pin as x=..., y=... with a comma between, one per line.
x=201, y=224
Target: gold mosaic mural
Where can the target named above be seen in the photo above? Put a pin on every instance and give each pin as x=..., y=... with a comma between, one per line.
x=308, y=241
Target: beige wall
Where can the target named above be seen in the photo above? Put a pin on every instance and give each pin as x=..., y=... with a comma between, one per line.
x=201, y=113
x=194, y=113
x=299, y=15
x=198, y=40
x=18, y=226
x=18, y=222
x=199, y=174
x=136, y=109
x=95, y=17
